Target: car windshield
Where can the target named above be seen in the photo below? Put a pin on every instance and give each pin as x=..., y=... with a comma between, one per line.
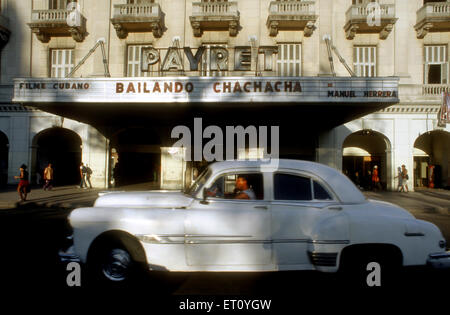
x=199, y=182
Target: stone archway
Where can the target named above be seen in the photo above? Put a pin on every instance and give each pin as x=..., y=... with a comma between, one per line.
x=62, y=148
x=362, y=150
x=432, y=148
x=4, y=157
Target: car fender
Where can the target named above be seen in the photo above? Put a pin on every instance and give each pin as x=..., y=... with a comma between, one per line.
x=89, y=223
x=329, y=236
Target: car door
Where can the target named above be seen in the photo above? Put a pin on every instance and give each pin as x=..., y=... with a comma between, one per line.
x=228, y=233
x=298, y=203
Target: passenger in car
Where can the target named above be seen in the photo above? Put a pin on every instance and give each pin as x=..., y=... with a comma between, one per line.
x=244, y=191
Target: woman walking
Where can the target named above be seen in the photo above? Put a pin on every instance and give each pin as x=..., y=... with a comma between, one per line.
x=24, y=185
x=375, y=179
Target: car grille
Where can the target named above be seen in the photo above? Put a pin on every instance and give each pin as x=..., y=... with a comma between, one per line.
x=323, y=259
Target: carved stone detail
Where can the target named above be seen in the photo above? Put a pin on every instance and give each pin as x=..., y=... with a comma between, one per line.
x=120, y=31
x=273, y=28
x=423, y=31
x=351, y=32
x=156, y=29
x=309, y=29
x=77, y=34
x=233, y=28
x=198, y=32
x=4, y=37
x=42, y=37
x=386, y=31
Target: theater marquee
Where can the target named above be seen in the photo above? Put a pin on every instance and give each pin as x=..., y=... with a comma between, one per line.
x=207, y=90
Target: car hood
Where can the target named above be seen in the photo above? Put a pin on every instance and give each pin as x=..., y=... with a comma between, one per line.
x=147, y=199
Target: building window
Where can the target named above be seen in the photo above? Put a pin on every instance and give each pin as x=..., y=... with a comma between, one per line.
x=365, y=61
x=289, y=60
x=59, y=4
x=436, y=65
x=62, y=62
x=134, y=66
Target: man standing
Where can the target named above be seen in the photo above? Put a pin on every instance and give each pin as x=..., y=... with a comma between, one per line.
x=83, y=172
x=88, y=175
x=48, y=177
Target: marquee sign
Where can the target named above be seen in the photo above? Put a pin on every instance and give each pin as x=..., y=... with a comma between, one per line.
x=207, y=90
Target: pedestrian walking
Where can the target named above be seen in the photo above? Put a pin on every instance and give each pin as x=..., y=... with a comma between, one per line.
x=48, y=177
x=400, y=179
x=88, y=175
x=375, y=179
x=24, y=185
x=83, y=172
x=405, y=178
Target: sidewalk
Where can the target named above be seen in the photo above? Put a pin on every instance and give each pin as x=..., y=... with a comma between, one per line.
x=64, y=197
x=423, y=200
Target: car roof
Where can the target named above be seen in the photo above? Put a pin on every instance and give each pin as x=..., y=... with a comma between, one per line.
x=346, y=191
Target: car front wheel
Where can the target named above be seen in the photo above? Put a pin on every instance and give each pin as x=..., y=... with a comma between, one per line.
x=113, y=263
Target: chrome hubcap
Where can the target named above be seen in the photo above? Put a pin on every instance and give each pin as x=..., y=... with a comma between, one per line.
x=117, y=265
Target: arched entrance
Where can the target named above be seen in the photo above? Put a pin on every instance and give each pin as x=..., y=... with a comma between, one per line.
x=62, y=148
x=4, y=155
x=363, y=150
x=431, y=160
x=135, y=156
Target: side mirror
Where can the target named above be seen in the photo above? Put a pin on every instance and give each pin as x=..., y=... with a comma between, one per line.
x=205, y=196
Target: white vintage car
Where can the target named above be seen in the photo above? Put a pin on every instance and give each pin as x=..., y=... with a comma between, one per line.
x=295, y=216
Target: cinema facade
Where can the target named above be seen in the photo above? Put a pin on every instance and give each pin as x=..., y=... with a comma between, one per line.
x=177, y=67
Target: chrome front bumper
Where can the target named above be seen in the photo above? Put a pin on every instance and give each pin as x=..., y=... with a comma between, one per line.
x=68, y=255
x=439, y=260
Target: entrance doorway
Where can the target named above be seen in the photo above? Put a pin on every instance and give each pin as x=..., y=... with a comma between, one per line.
x=431, y=160
x=362, y=151
x=60, y=147
x=135, y=157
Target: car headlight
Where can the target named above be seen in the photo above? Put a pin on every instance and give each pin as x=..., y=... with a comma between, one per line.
x=442, y=244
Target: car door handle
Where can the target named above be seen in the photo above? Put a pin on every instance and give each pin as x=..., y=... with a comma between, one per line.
x=261, y=207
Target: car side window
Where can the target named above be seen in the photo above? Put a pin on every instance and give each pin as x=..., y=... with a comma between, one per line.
x=238, y=186
x=320, y=193
x=292, y=187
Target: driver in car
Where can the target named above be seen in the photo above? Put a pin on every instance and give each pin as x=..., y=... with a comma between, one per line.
x=243, y=190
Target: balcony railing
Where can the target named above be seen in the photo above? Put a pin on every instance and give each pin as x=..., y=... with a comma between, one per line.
x=214, y=16
x=214, y=9
x=435, y=89
x=137, y=18
x=358, y=18
x=291, y=15
x=433, y=17
x=48, y=23
x=292, y=7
